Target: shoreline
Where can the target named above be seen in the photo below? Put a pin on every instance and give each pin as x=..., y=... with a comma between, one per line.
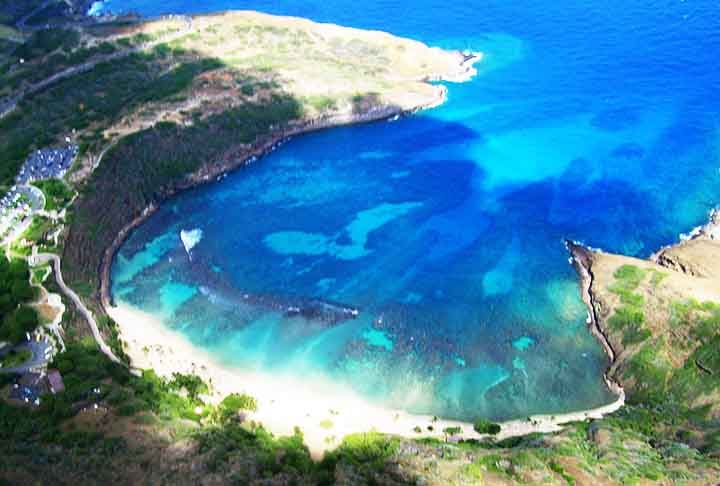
x=147, y=355
x=710, y=231
x=581, y=260
x=284, y=402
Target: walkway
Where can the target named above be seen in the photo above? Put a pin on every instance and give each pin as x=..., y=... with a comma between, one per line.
x=45, y=258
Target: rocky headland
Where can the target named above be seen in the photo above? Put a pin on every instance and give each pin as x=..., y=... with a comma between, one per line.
x=659, y=321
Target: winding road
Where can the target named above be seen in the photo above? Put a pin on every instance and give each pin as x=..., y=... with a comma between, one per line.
x=42, y=258
x=9, y=104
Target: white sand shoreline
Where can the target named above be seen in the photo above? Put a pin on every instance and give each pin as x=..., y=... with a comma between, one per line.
x=284, y=403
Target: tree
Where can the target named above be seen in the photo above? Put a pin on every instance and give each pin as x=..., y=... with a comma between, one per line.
x=17, y=324
x=22, y=291
x=234, y=403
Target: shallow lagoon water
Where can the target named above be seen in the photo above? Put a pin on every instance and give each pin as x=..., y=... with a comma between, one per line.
x=443, y=231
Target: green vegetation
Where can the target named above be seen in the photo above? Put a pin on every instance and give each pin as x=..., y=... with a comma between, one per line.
x=16, y=319
x=629, y=317
x=638, y=444
x=322, y=103
x=233, y=404
x=483, y=426
x=192, y=385
x=86, y=369
x=232, y=443
x=368, y=453
x=45, y=41
x=91, y=102
x=39, y=229
x=91, y=378
x=47, y=52
x=611, y=448
x=451, y=431
x=670, y=371
x=57, y=193
x=39, y=274
x=695, y=340
x=110, y=330
x=161, y=429
x=627, y=279
x=15, y=358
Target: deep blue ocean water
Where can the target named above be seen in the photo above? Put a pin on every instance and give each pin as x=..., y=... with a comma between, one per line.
x=591, y=121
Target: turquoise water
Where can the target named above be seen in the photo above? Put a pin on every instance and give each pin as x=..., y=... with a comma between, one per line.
x=421, y=262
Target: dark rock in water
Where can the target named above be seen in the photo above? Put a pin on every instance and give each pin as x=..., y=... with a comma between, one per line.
x=323, y=311
x=223, y=292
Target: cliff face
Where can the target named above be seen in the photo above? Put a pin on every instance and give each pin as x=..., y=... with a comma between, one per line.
x=698, y=256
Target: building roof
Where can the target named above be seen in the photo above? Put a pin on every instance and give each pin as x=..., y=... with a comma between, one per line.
x=56, y=382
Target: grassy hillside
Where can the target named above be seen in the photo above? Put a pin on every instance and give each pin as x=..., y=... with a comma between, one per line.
x=663, y=321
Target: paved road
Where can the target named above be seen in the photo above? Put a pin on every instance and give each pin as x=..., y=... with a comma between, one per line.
x=35, y=195
x=38, y=360
x=70, y=293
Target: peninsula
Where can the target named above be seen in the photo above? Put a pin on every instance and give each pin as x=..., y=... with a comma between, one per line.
x=145, y=109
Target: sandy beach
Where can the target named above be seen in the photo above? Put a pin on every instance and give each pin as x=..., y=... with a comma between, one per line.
x=324, y=412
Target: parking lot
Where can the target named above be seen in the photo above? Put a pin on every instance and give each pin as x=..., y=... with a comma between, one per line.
x=47, y=163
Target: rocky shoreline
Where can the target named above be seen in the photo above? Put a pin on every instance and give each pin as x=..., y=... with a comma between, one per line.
x=582, y=259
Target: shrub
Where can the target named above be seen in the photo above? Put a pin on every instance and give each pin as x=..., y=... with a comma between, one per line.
x=247, y=89
x=451, y=431
x=483, y=426
x=365, y=449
